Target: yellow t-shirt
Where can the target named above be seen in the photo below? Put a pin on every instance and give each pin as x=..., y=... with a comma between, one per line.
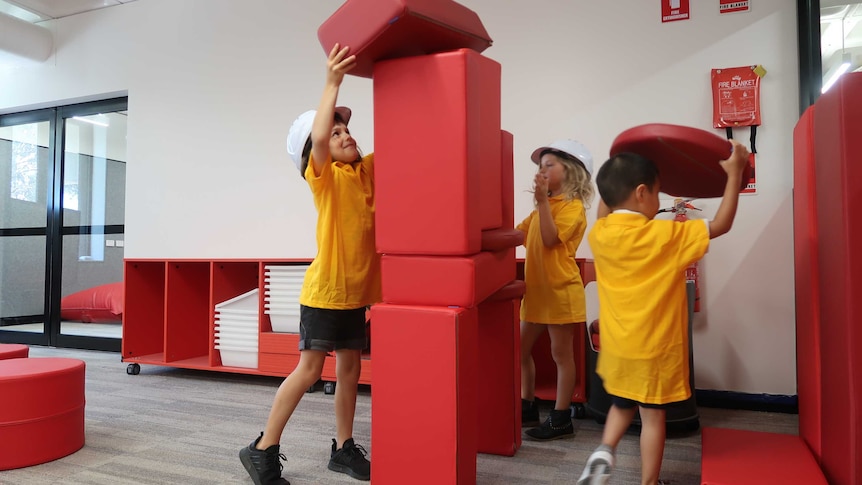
x=643, y=310
x=555, y=291
x=345, y=274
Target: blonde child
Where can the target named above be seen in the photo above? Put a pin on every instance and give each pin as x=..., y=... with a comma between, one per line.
x=342, y=280
x=554, y=299
x=640, y=272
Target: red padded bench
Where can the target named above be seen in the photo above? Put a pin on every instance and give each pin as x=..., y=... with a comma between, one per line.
x=13, y=351
x=739, y=457
x=42, y=410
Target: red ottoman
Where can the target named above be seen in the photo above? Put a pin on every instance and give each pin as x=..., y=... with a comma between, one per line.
x=13, y=351
x=42, y=410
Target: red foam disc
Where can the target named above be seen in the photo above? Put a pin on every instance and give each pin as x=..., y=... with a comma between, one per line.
x=687, y=158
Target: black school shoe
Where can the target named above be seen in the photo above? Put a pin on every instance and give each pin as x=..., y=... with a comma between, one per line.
x=350, y=459
x=529, y=413
x=558, y=425
x=263, y=466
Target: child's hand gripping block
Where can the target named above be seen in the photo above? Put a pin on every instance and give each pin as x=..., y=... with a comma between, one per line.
x=387, y=29
x=438, y=173
x=687, y=158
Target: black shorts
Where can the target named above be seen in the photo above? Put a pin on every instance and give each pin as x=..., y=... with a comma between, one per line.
x=328, y=330
x=624, y=403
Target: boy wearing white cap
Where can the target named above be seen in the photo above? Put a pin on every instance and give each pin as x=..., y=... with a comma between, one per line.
x=554, y=299
x=340, y=283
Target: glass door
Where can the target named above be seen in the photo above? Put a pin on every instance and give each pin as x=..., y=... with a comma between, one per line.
x=92, y=202
x=26, y=167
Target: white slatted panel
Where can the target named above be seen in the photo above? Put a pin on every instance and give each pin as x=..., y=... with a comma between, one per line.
x=282, y=285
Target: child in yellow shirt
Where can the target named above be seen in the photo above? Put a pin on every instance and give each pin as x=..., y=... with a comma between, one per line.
x=640, y=273
x=554, y=299
x=340, y=283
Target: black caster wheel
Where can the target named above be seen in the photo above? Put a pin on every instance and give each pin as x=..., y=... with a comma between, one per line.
x=578, y=411
x=133, y=369
x=329, y=388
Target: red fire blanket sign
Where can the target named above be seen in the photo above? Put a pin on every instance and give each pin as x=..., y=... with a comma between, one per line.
x=728, y=6
x=672, y=10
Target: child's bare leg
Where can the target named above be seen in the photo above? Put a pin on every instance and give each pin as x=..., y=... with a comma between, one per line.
x=289, y=394
x=562, y=350
x=616, y=425
x=530, y=332
x=653, y=434
x=347, y=367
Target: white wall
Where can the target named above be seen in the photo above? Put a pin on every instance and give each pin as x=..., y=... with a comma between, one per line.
x=213, y=86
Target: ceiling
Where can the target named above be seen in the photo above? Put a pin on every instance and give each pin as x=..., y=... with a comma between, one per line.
x=40, y=10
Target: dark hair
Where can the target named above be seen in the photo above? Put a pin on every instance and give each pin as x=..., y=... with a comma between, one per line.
x=306, y=152
x=620, y=176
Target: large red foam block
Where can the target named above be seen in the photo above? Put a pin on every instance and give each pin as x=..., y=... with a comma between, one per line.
x=837, y=151
x=425, y=378
x=687, y=158
x=499, y=419
x=437, y=144
x=386, y=29
x=739, y=457
x=808, y=380
x=42, y=410
x=445, y=280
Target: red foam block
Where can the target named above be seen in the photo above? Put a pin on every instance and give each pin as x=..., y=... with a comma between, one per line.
x=687, y=158
x=425, y=380
x=387, y=29
x=430, y=200
x=445, y=280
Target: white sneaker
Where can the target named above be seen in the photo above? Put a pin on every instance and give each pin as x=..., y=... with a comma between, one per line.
x=598, y=469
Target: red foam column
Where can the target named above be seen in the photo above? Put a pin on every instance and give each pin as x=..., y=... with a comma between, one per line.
x=808, y=356
x=837, y=151
x=437, y=138
x=423, y=415
x=499, y=400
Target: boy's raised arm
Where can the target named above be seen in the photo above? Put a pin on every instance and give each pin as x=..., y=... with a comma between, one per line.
x=726, y=212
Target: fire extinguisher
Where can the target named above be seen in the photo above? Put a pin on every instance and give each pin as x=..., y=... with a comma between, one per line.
x=680, y=210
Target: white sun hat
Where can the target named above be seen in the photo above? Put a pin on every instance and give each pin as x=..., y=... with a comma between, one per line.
x=571, y=147
x=300, y=130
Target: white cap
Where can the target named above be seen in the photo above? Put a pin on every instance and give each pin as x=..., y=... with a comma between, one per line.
x=571, y=147
x=300, y=130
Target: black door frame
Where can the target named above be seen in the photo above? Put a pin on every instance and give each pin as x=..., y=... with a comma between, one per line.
x=54, y=229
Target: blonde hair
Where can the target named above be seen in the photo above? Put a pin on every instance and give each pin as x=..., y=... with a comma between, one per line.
x=576, y=183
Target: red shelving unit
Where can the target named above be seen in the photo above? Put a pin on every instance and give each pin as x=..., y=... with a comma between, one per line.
x=169, y=316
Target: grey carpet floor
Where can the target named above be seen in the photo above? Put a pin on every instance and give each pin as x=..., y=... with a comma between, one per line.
x=175, y=426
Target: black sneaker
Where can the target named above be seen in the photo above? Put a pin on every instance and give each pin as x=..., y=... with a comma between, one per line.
x=529, y=413
x=558, y=425
x=264, y=466
x=350, y=459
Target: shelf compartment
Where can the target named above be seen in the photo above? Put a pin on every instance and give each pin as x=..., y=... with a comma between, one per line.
x=144, y=309
x=188, y=310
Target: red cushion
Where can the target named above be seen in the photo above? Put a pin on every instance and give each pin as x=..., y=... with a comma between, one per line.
x=98, y=304
x=808, y=355
x=499, y=391
x=13, y=351
x=44, y=418
x=429, y=201
x=837, y=151
x=687, y=158
x=425, y=365
x=463, y=281
x=387, y=29
x=738, y=457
